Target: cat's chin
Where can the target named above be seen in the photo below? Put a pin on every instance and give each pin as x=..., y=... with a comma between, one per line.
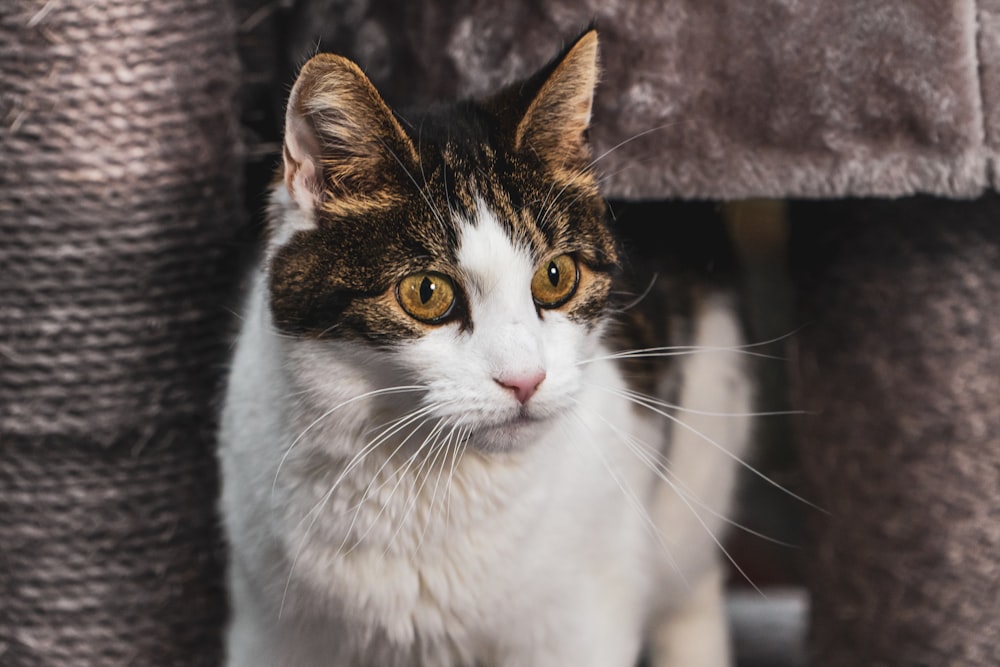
x=510, y=435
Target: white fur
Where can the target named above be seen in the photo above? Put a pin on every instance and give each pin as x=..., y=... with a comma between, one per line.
x=533, y=548
x=293, y=217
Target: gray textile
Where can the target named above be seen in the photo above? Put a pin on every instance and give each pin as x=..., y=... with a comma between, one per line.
x=900, y=363
x=733, y=99
x=118, y=202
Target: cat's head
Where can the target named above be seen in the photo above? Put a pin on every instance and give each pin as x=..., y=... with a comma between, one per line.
x=465, y=248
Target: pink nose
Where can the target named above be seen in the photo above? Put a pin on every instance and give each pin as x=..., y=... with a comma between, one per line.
x=523, y=385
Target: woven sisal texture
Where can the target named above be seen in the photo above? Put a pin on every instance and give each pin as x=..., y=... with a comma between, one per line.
x=119, y=182
x=109, y=558
x=899, y=363
x=117, y=198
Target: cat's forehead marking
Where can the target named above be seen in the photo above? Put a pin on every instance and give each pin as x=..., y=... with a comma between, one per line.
x=487, y=254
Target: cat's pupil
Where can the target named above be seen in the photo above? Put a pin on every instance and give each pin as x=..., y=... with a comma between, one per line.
x=553, y=274
x=426, y=290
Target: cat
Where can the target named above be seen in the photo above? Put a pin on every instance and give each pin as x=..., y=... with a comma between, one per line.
x=436, y=446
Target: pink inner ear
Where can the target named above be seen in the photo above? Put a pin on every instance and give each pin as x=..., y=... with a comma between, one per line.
x=302, y=175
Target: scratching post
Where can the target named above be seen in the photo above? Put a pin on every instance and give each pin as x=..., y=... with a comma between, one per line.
x=899, y=360
x=118, y=198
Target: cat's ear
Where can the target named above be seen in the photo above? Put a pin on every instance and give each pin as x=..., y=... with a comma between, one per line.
x=341, y=139
x=554, y=125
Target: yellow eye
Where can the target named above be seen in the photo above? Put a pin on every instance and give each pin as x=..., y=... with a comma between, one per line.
x=428, y=297
x=555, y=281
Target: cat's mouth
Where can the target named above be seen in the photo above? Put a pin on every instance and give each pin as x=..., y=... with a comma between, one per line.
x=522, y=417
x=510, y=432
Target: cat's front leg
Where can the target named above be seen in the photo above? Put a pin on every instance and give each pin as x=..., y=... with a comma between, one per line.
x=601, y=640
x=249, y=642
x=695, y=634
x=573, y=653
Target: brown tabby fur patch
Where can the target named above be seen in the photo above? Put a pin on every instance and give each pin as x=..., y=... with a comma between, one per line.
x=396, y=190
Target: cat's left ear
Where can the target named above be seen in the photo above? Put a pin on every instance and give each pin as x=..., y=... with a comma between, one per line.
x=557, y=118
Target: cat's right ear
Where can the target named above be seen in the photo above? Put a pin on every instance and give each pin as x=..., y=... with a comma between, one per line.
x=341, y=139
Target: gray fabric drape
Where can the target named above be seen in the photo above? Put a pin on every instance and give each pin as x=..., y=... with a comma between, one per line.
x=771, y=98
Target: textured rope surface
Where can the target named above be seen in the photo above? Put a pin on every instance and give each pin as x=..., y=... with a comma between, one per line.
x=119, y=181
x=109, y=559
x=116, y=202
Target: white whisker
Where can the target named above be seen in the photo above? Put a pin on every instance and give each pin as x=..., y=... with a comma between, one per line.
x=543, y=208
x=456, y=457
x=660, y=466
x=423, y=176
x=542, y=217
x=680, y=350
x=636, y=447
x=555, y=200
x=413, y=494
x=676, y=351
x=709, y=440
x=369, y=394
x=635, y=302
x=634, y=137
x=443, y=447
x=634, y=502
x=420, y=191
x=682, y=497
x=399, y=474
x=355, y=461
x=705, y=413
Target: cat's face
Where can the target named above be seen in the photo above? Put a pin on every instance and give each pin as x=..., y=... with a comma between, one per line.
x=465, y=247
